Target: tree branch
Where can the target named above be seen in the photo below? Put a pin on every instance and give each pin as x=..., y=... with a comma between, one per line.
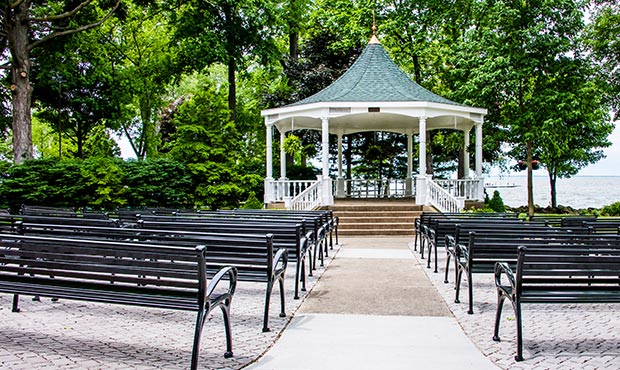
x=75, y=30
x=63, y=15
x=16, y=4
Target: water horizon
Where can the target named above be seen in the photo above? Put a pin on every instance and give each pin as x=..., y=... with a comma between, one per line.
x=580, y=192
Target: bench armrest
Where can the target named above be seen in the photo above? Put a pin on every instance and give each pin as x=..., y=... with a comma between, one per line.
x=231, y=271
x=280, y=261
x=503, y=269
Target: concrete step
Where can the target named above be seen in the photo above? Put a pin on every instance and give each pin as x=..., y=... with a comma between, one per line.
x=375, y=225
x=374, y=232
x=380, y=219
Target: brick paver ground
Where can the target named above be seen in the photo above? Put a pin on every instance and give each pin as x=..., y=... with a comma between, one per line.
x=555, y=336
x=81, y=335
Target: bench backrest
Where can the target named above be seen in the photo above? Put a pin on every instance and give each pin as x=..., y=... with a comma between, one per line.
x=63, y=267
x=569, y=274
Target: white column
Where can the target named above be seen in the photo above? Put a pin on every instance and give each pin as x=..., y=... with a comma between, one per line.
x=340, y=179
x=328, y=198
x=479, y=149
x=466, y=164
x=269, y=185
x=325, y=146
x=408, y=180
x=422, y=155
x=421, y=188
x=282, y=156
x=269, y=151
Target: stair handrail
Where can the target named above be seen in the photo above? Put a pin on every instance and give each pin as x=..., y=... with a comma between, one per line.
x=308, y=199
x=441, y=199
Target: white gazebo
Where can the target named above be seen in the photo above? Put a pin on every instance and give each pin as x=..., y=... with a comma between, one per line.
x=374, y=95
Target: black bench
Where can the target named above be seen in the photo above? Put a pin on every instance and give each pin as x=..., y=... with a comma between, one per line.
x=285, y=235
x=252, y=255
x=481, y=253
x=571, y=274
x=158, y=276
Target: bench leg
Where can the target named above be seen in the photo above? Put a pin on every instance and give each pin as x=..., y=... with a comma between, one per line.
x=428, y=257
x=226, y=314
x=266, y=313
x=435, y=271
x=15, y=303
x=298, y=278
x=282, y=300
x=457, y=284
x=517, y=308
x=498, y=315
x=445, y=279
x=471, y=293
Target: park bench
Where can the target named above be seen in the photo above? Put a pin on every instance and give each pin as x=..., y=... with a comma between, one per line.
x=313, y=223
x=285, y=235
x=251, y=254
x=603, y=225
x=137, y=274
x=60, y=212
x=438, y=228
x=482, y=251
x=572, y=274
x=425, y=218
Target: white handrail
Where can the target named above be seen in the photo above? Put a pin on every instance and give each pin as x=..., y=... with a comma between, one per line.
x=441, y=198
x=375, y=188
x=308, y=199
x=287, y=189
x=461, y=188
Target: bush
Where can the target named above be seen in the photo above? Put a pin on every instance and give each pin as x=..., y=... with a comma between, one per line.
x=496, y=203
x=252, y=202
x=611, y=210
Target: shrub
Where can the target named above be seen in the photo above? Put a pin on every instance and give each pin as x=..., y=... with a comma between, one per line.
x=252, y=202
x=611, y=210
x=496, y=203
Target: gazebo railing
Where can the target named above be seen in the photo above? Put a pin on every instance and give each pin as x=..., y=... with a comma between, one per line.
x=461, y=188
x=441, y=198
x=287, y=189
x=308, y=199
x=375, y=188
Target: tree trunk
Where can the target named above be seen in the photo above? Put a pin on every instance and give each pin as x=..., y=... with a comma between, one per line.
x=553, y=179
x=232, y=89
x=530, y=180
x=17, y=31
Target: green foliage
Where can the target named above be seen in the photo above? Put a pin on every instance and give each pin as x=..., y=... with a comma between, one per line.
x=157, y=182
x=496, y=203
x=252, y=202
x=103, y=180
x=611, y=210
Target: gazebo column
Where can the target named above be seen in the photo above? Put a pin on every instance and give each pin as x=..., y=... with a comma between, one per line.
x=269, y=185
x=328, y=198
x=282, y=156
x=408, y=179
x=479, y=159
x=421, y=188
x=340, y=180
x=466, y=164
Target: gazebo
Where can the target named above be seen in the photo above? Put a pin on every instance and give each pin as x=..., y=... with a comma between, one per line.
x=374, y=94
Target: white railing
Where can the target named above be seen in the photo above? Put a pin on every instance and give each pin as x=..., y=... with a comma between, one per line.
x=287, y=189
x=376, y=188
x=442, y=199
x=308, y=199
x=461, y=188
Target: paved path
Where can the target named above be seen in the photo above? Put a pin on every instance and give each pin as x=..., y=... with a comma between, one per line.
x=373, y=308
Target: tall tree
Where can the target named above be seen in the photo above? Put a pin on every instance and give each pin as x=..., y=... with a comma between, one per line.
x=231, y=32
x=511, y=57
x=26, y=25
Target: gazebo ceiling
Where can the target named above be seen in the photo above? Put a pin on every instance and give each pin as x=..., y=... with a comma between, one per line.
x=374, y=95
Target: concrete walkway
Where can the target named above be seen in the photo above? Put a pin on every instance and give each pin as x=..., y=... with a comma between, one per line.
x=373, y=308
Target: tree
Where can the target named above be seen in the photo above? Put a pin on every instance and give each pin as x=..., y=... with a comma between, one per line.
x=231, y=32
x=513, y=57
x=26, y=25
x=140, y=54
x=604, y=39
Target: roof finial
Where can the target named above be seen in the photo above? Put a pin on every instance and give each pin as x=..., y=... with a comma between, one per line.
x=374, y=39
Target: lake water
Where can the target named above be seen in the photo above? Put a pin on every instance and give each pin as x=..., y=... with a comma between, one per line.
x=577, y=192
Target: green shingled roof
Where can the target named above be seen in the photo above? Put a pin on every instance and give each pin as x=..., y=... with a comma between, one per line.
x=374, y=78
